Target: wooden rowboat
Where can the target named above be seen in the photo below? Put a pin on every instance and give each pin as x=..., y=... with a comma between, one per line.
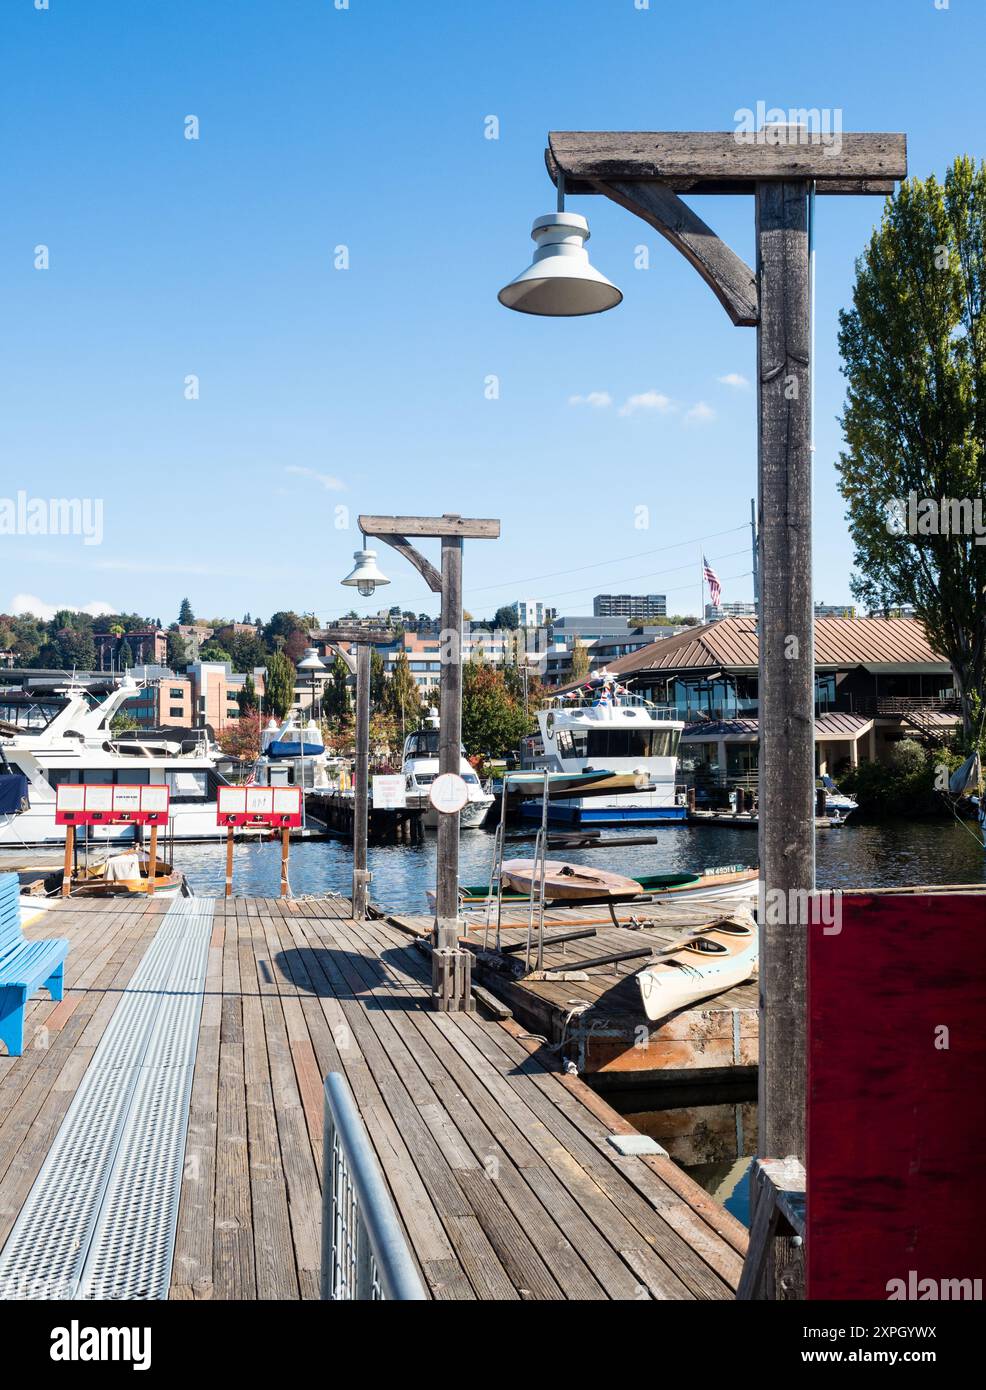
x=671, y=887
x=715, y=959
x=568, y=882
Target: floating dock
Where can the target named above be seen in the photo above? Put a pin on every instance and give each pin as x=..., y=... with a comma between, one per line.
x=502, y=1169
x=598, y=1022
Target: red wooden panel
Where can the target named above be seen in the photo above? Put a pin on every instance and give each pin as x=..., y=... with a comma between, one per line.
x=896, y=1120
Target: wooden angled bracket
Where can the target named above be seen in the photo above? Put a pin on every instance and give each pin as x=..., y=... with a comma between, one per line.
x=728, y=276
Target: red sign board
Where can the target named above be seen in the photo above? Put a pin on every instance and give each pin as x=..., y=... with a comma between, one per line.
x=105, y=804
x=896, y=1077
x=272, y=806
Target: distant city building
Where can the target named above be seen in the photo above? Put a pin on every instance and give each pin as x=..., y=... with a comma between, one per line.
x=532, y=612
x=714, y=613
x=835, y=610
x=146, y=647
x=630, y=606
x=195, y=636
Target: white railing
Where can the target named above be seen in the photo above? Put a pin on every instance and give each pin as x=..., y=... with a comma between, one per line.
x=364, y=1253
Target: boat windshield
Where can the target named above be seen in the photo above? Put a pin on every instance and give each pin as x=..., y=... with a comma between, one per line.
x=423, y=744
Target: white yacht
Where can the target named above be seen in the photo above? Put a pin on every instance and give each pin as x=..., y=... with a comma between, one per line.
x=420, y=768
x=74, y=743
x=599, y=729
x=295, y=755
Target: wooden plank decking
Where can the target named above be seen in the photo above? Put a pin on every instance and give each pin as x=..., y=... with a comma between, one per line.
x=600, y=1022
x=500, y=1167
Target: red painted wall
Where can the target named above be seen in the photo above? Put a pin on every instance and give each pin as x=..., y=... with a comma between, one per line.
x=896, y=1128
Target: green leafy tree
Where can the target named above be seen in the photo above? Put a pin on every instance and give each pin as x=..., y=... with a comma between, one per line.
x=914, y=353
x=335, y=692
x=123, y=723
x=125, y=657
x=402, y=696
x=185, y=614
x=506, y=617
x=247, y=651
x=378, y=678
x=177, y=650
x=246, y=697
x=213, y=651
x=279, y=685
x=493, y=722
x=580, y=660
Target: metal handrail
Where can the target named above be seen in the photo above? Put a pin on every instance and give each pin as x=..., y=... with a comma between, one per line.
x=364, y=1252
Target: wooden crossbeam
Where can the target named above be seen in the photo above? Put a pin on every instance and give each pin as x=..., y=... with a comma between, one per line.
x=726, y=161
x=476, y=528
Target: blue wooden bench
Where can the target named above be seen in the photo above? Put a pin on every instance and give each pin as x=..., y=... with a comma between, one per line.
x=24, y=966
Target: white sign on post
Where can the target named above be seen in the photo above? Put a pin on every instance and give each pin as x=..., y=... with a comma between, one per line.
x=449, y=793
x=389, y=792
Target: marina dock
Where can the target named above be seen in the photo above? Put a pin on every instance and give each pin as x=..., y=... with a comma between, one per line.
x=597, y=1021
x=506, y=1174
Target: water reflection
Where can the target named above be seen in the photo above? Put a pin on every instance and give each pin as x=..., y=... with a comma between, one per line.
x=711, y=1133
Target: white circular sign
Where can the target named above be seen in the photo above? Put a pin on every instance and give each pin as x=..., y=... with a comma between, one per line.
x=449, y=793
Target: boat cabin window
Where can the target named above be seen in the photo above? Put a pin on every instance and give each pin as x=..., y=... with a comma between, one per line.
x=423, y=744
x=618, y=743
x=188, y=785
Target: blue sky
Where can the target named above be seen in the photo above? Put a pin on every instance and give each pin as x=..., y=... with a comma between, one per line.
x=365, y=388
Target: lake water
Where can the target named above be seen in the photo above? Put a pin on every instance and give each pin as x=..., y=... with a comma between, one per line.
x=861, y=856
x=709, y=1135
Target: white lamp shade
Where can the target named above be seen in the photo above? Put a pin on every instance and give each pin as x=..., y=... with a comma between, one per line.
x=311, y=661
x=560, y=281
x=366, y=574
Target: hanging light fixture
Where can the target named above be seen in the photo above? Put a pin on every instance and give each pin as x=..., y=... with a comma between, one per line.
x=366, y=574
x=560, y=281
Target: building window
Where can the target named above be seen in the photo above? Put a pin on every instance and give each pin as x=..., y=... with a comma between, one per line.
x=176, y=694
x=176, y=713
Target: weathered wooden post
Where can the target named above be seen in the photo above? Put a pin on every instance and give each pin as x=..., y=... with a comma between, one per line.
x=782, y=167
x=361, y=789
x=449, y=741
x=451, y=965
x=787, y=680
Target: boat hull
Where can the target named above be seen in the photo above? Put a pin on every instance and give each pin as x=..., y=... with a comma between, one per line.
x=578, y=812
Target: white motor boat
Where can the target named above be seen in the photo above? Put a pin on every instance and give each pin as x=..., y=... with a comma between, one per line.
x=603, y=727
x=294, y=755
x=419, y=765
x=836, y=801
x=74, y=743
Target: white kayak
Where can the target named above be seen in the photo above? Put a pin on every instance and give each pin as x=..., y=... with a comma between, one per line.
x=714, y=959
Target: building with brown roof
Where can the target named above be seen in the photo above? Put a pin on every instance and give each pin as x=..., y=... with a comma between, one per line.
x=877, y=680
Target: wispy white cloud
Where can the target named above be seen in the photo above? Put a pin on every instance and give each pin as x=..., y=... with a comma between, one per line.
x=325, y=480
x=599, y=400
x=648, y=400
x=30, y=603
x=700, y=414
x=734, y=379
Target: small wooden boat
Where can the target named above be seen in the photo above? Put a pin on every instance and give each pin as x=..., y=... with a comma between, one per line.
x=120, y=875
x=731, y=882
x=567, y=882
x=715, y=959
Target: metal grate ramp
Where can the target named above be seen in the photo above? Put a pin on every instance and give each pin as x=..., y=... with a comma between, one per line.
x=100, y=1219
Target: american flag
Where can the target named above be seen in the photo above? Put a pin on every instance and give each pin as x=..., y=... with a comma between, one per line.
x=712, y=579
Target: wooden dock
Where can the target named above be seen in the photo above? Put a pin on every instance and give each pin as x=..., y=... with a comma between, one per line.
x=500, y=1166
x=598, y=1023
x=337, y=812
